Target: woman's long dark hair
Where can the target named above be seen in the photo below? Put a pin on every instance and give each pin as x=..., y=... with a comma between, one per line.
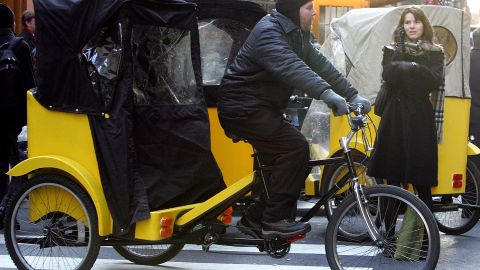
x=418, y=14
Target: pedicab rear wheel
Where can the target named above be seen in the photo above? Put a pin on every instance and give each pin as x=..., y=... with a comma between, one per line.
x=149, y=254
x=460, y=219
x=51, y=223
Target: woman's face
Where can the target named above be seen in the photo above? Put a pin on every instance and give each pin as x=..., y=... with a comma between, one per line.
x=413, y=27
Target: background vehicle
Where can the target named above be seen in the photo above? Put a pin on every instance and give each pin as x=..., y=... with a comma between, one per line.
x=359, y=56
x=361, y=64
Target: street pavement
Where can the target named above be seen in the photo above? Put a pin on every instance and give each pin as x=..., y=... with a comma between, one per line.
x=457, y=252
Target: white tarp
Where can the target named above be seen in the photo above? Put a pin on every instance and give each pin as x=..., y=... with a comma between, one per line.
x=360, y=35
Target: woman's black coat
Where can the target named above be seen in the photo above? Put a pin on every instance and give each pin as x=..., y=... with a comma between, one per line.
x=406, y=146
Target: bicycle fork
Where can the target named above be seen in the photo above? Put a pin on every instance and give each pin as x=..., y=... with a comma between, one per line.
x=358, y=190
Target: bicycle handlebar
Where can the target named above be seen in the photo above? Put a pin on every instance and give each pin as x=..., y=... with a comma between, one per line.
x=296, y=98
x=355, y=108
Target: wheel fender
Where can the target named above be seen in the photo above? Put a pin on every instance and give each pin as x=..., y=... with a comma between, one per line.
x=472, y=149
x=356, y=146
x=81, y=175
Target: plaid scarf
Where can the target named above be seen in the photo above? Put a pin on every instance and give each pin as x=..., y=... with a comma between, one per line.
x=438, y=98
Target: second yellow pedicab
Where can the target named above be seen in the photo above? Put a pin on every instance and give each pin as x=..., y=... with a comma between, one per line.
x=355, y=45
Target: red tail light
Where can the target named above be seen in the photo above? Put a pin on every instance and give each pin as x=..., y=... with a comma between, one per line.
x=457, y=180
x=166, y=222
x=227, y=219
x=228, y=212
x=165, y=232
x=296, y=238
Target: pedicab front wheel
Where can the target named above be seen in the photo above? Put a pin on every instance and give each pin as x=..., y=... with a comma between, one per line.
x=331, y=178
x=51, y=223
x=149, y=254
x=407, y=231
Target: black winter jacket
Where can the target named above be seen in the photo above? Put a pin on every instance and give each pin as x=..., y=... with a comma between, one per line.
x=475, y=86
x=22, y=52
x=276, y=58
x=28, y=38
x=406, y=148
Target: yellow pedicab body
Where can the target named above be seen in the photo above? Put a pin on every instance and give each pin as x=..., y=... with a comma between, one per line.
x=62, y=143
x=452, y=152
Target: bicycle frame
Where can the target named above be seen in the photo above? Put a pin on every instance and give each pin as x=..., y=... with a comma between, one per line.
x=356, y=124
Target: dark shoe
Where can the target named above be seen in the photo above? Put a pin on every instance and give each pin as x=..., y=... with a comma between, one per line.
x=249, y=227
x=284, y=228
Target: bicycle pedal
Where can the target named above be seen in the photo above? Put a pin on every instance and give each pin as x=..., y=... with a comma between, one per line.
x=296, y=238
x=290, y=239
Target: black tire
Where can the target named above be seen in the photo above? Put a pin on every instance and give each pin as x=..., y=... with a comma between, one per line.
x=54, y=233
x=394, y=202
x=149, y=254
x=335, y=172
x=461, y=220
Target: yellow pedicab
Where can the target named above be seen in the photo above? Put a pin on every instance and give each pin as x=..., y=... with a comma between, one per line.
x=457, y=197
x=119, y=147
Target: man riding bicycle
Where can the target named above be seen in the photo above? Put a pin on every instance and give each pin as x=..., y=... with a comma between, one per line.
x=276, y=58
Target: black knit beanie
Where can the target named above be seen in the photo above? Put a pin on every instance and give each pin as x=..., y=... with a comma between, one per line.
x=6, y=16
x=291, y=9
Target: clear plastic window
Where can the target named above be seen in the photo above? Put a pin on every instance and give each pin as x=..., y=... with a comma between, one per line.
x=162, y=63
x=220, y=40
x=104, y=57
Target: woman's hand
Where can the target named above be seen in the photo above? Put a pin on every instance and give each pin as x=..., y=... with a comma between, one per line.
x=405, y=67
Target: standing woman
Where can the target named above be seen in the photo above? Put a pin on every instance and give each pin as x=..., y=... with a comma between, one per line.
x=410, y=128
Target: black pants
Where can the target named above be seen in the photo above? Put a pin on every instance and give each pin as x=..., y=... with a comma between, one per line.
x=424, y=192
x=280, y=145
x=390, y=208
x=8, y=154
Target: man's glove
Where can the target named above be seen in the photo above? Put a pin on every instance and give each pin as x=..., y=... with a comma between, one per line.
x=335, y=102
x=363, y=101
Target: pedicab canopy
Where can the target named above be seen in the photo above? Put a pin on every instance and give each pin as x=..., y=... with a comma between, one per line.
x=356, y=40
x=134, y=68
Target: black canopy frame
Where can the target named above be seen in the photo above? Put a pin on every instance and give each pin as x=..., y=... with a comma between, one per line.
x=152, y=145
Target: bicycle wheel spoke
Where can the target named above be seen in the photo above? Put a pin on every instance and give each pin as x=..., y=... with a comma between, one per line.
x=52, y=233
x=406, y=240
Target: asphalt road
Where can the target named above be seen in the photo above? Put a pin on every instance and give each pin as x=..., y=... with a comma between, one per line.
x=457, y=252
